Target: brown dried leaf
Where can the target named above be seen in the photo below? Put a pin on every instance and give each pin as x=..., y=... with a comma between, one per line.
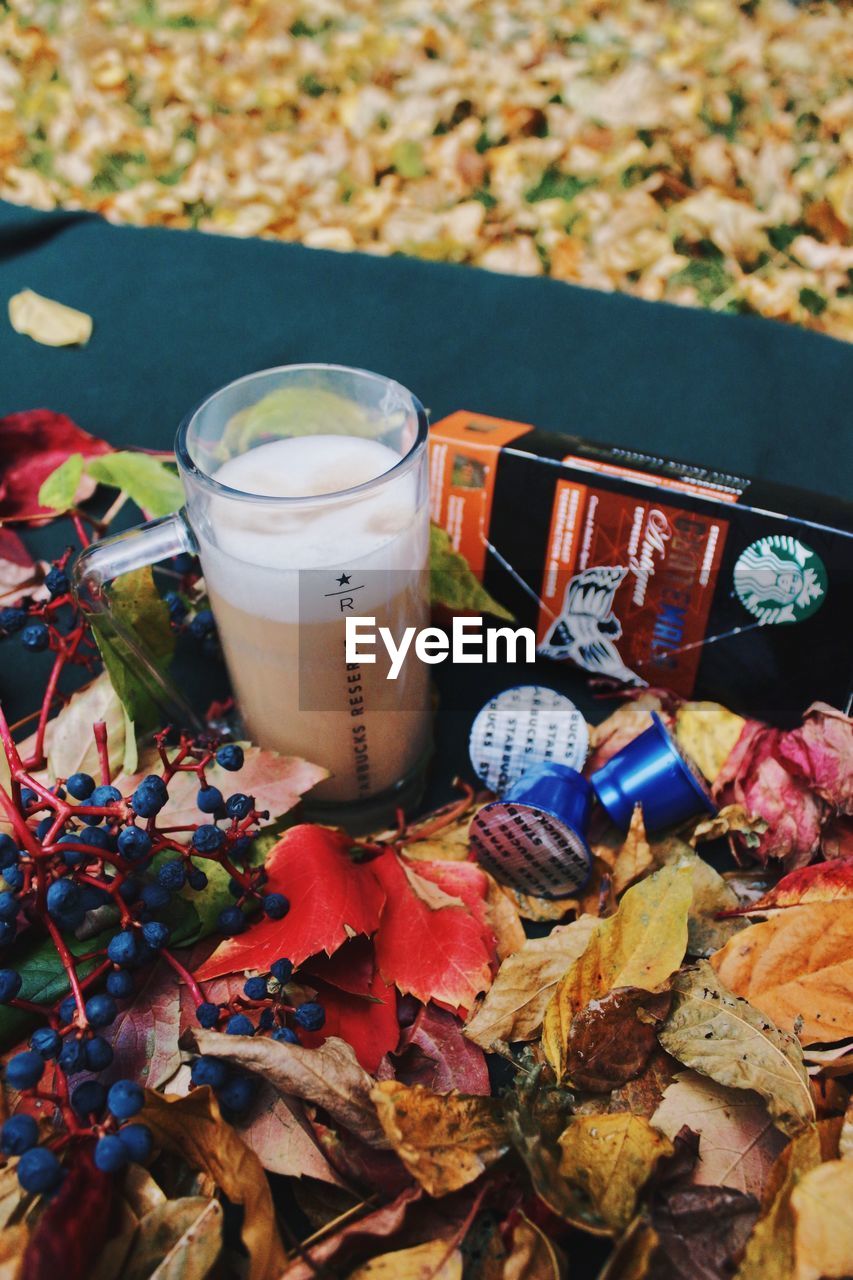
x=701, y=1231
x=732, y=817
x=606, y=1161
x=180, y=1240
x=611, y=1039
x=276, y=1130
x=444, y=1140
x=532, y=1256
x=769, y=1252
x=504, y=919
x=430, y=1261
x=542, y=910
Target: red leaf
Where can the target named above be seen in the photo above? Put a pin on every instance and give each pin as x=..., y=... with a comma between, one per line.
x=20, y=576
x=360, y=1007
x=443, y=955
x=356, y=1162
x=332, y=898
x=822, y=753
x=823, y=882
x=434, y=1052
x=72, y=1230
x=32, y=445
x=352, y=967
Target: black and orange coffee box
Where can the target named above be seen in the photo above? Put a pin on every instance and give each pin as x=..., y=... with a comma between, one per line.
x=652, y=572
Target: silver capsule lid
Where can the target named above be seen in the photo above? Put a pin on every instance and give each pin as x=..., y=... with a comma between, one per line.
x=530, y=850
x=522, y=727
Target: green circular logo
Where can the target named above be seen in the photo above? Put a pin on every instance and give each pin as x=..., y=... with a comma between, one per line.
x=780, y=579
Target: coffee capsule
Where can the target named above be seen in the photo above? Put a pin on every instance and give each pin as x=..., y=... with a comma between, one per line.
x=521, y=728
x=534, y=838
x=654, y=772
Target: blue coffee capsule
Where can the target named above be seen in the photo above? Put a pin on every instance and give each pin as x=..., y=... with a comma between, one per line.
x=654, y=772
x=534, y=838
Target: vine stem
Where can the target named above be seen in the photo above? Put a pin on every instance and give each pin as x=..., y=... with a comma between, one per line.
x=68, y=965
x=195, y=990
x=99, y=729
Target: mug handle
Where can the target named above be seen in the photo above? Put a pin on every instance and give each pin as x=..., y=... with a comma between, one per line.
x=96, y=569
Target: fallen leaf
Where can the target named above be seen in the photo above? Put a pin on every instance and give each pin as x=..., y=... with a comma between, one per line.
x=769, y=1252
x=504, y=919
x=707, y=732
x=51, y=323
x=738, y=1140
x=822, y=752
x=73, y=1227
x=711, y=897
x=513, y=1008
x=822, y=882
x=822, y=1202
x=444, y=1140
x=13, y=1248
x=640, y=946
x=836, y=837
x=361, y=1008
x=374, y=1170
x=644, y=1093
x=797, y=968
x=20, y=577
x=626, y=723
x=276, y=1130
x=329, y=1077
x=452, y=584
x=32, y=445
x=434, y=1052
x=193, y=1128
x=634, y=859
x=837, y=1061
x=632, y=1255
x=701, y=1232
x=542, y=910
x=532, y=1255
x=606, y=1161
x=144, y=1035
x=723, y=1037
x=179, y=1240
x=430, y=1261
x=338, y=1251
x=731, y=818
x=69, y=742
x=611, y=1039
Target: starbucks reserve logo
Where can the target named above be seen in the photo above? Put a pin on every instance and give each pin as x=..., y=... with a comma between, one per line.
x=780, y=579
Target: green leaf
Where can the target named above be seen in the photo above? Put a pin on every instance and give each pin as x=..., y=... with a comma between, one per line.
x=147, y=482
x=407, y=158
x=452, y=583
x=58, y=490
x=554, y=185
x=44, y=979
x=137, y=609
x=297, y=411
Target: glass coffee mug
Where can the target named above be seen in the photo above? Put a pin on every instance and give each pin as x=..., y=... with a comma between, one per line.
x=307, y=502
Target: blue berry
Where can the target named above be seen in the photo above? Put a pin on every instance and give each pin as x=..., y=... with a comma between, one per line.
x=285, y=1036
x=72, y=1057
x=172, y=875
x=275, y=905
x=207, y=1070
x=111, y=1154
x=134, y=843
x=14, y=877
x=209, y=799
x=9, y=854
x=282, y=970
x=125, y=1098
x=19, y=1133
x=184, y=562
x=236, y=1094
x=56, y=581
x=120, y=984
x=100, y=798
x=207, y=1014
x=101, y=1010
x=208, y=838
x=35, y=637
x=255, y=989
x=156, y=934
x=231, y=920
x=67, y=1009
x=235, y=888
x=80, y=786
x=28, y=797
x=25, y=1069
x=176, y=606
x=8, y=906
x=12, y=619
x=239, y=1025
x=137, y=1141
x=196, y=879
x=129, y=891
x=310, y=1015
x=202, y=624
x=8, y=931
x=89, y=1098
x=98, y=1053
x=239, y=806
x=44, y=826
x=230, y=757
x=10, y=985
x=123, y=948
x=241, y=847
x=96, y=838
x=46, y=1041
x=63, y=897
x=155, y=897
x=150, y=796
x=73, y=857
x=39, y=1170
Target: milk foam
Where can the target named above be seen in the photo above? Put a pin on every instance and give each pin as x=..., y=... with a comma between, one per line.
x=251, y=551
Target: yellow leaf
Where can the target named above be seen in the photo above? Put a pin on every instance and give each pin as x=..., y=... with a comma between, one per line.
x=822, y=1202
x=193, y=1128
x=444, y=1140
x=732, y=817
x=48, y=322
x=635, y=856
x=707, y=732
x=532, y=1255
x=432, y=1261
x=607, y=1160
x=797, y=968
x=13, y=1248
x=640, y=946
x=179, y=1240
x=504, y=920
x=514, y=1006
x=769, y=1252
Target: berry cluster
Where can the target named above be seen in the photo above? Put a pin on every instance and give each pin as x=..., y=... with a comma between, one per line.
x=81, y=845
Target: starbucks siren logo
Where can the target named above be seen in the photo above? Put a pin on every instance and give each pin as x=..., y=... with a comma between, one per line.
x=779, y=579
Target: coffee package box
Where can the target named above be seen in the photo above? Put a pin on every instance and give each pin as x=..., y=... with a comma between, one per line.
x=647, y=571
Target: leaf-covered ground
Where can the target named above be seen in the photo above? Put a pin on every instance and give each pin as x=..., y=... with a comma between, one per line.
x=697, y=153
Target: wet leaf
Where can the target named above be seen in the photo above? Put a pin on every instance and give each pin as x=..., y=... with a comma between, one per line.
x=640, y=946
x=513, y=1008
x=723, y=1037
x=430, y=1261
x=49, y=322
x=606, y=1161
x=193, y=1128
x=444, y=1140
x=32, y=445
x=154, y=487
x=612, y=1038
x=434, y=1052
x=797, y=968
x=452, y=584
x=822, y=1202
x=329, y=1077
x=179, y=1240
x=707, y=732
x=738, y=1140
